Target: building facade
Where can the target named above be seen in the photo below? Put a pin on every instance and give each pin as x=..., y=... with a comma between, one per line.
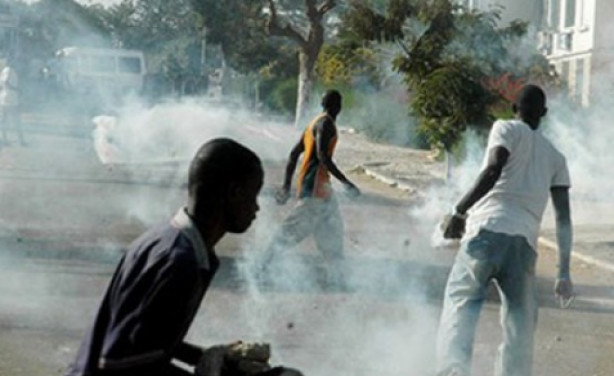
x=526, y=10
x=577, y=39
x=575, y=35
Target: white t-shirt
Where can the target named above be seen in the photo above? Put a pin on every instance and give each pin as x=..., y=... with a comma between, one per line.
x=9, y=92
x=516, y=203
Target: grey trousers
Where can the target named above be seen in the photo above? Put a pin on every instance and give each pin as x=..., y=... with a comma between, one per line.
x=315, y=217
x=510, y=261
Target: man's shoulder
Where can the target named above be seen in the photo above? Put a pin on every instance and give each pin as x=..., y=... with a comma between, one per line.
x=164, y=241
x=556, y=154
x=323, y=119
x=553, y=150
x=508, y=125
x=325, y=124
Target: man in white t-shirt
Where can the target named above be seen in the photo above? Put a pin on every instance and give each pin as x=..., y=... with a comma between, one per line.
x=521, y=170
x=9, y=103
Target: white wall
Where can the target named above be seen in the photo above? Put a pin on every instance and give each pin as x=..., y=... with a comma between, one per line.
x=526, y=10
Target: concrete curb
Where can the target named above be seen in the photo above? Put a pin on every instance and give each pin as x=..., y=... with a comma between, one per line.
x=578, y=255
x=387, y=180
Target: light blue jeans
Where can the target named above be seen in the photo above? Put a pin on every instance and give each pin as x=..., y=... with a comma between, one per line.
x=509, y=261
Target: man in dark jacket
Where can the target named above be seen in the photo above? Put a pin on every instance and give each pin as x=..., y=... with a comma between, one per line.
x=157, y=288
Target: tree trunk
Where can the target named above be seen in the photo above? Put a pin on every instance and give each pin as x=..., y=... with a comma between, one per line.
x=448, y=158
x=307, y=62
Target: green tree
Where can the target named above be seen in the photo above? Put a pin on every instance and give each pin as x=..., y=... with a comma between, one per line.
x=238, y=27
x=168, y=32
x=306, y=28
x=446, y=54
x=48, y=25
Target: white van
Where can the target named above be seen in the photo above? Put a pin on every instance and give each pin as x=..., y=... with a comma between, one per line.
x=100, y=70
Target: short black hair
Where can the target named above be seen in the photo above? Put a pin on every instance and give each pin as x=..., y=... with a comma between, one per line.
x=530, y=98
x=219, y=162
x=332, y=98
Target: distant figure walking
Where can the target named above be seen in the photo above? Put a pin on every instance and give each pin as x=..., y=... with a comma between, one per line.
x=317, y=211
x=9, y=103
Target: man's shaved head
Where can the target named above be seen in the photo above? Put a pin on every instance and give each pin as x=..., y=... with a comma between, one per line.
x=530, y=104
x=332, y=98
x=220, y=162
x=531, y=96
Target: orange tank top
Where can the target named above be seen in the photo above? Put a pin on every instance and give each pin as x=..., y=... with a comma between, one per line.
x=314, y=178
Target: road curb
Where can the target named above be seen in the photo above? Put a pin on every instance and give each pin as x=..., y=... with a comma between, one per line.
x=386, y=180
x=578, y=255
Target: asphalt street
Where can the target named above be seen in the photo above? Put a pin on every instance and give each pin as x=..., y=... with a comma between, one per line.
x=65, y=219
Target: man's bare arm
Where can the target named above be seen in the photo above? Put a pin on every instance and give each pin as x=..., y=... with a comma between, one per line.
x=454, y=226
x=497, y=158
x=283, y=194
x=296, y=152
x=188, y=353
x=563, y=287
x=324, y=134
x=564, y=231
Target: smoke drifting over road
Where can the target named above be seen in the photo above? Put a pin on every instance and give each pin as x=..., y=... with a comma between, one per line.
x=380, y=318
x=382, y=322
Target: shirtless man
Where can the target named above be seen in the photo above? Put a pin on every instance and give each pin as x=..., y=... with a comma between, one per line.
x=317, y=211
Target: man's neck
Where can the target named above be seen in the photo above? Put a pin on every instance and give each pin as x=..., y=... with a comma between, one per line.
x=532, y=123
x=209, y=227
x=332, y=114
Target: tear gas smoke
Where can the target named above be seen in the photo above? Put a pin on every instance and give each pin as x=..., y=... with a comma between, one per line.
x=383, y=323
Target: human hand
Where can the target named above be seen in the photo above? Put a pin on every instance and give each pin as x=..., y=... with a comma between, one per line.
x=212, y=362
x=563, y=291
x=453, y=226
x=282, y=195
x=351, y=190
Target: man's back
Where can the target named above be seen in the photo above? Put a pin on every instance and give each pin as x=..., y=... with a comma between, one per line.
x=150, y=303
x=314, y=177
x=516, y=203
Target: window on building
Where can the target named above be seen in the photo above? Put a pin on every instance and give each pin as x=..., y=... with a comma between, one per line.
x=565, y=71
x=570, y=13
x=584, y=15
x=565, y=41
x=554, y=13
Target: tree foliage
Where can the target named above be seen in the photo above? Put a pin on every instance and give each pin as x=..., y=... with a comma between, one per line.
x=306, y=27
x=238, y=26
x=48, y=25
x=446, y=54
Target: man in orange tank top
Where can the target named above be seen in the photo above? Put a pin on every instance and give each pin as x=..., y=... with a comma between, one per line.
x=317, y=212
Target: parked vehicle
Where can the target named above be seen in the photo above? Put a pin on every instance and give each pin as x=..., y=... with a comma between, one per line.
x=106, y=73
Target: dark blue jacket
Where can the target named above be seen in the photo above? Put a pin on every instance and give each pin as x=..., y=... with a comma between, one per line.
x=150, y=302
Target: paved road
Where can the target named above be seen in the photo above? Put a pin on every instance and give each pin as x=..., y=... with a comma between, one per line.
x=64, y=219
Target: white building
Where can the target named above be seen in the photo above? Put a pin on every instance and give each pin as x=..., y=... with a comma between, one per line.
x=577, y=39
x=577, y=36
